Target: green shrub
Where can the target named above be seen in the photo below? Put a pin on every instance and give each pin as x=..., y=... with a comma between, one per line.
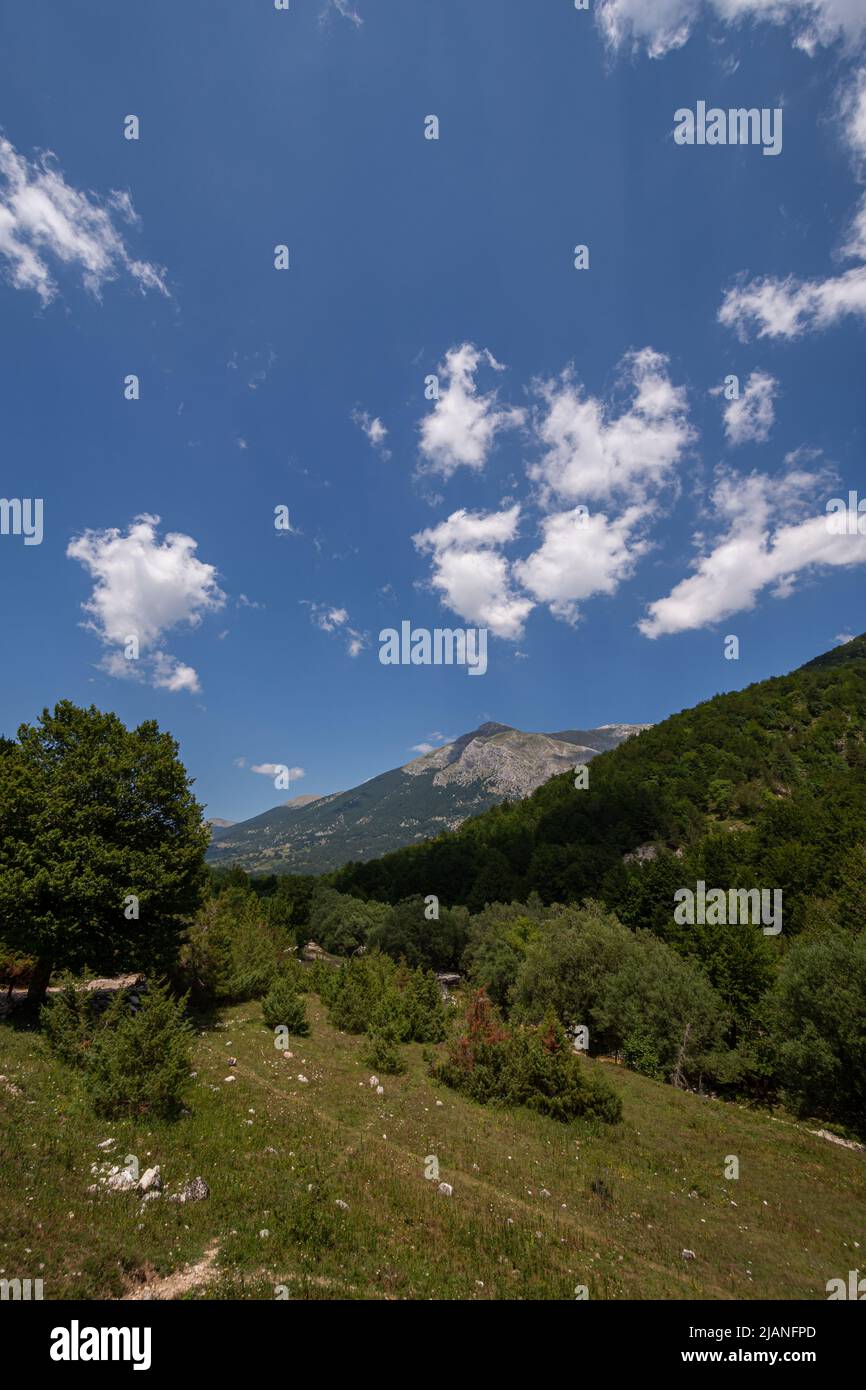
x=235, y=949
x=322, y=979
x=425, y=1011
x=531, y=1066
x=370, y=991
x=383, y=1051
x=284, y=1007
x=69, y=1023
x=138, y=1063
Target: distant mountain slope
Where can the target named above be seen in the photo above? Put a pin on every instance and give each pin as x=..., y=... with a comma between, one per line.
x=433, y=793
x=763, y=786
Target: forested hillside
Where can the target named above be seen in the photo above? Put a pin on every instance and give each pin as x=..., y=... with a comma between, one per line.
x=762, y=787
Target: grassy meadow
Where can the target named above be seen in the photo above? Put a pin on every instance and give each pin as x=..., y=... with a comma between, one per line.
x=538, y=1208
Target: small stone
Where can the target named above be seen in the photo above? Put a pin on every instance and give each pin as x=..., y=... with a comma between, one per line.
x=231, y=1061
x=446, y=1189
x=302, y=1079
x=120, y=1180
x=229, y=1078
x=195, y=1191
x=688, y=1254
x=380, y=1090
x=344, y=1206
x=150, y=1178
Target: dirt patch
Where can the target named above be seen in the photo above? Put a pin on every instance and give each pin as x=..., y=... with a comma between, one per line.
x=176, y=1285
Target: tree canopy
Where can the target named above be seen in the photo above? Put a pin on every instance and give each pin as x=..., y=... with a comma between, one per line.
x=101, y=844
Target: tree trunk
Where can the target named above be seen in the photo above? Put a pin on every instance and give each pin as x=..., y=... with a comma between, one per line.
x=39, y=981
x=677, y=1078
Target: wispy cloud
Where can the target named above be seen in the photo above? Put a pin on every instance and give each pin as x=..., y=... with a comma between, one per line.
x=373, y=428
x=45, y=223
x=336, y=620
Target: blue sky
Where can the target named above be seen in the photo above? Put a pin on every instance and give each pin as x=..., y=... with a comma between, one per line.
x=559, y=388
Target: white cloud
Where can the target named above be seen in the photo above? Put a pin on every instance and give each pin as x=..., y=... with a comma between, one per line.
x=174, y=675
x=770, y=541
x=853, y=116
x=373, y=428
x=660, y=26
x=842, y=638
x=44, y=219
x=590, y=452
x=581, y=555
x=472, y=578
x=750, y=419
x=274, y=770
x=461, y=427
x=773, y=308
x=435, y=741
x=344, y=8
x=337, y=620
x=145, y=587
x=328, y=618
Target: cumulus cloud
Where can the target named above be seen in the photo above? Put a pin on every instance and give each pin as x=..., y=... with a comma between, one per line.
x=461, y=427
x=44, y=222
x=772, y=538
x=787, y=308
x=471, y=576
x=274, y=770
x=661, y=26
x=750, y=418
x=174, y=675
x=581, y=555
x=591, y=452
x=145, y=587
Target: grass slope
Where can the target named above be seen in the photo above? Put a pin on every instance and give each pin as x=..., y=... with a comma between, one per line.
x=278, y=1154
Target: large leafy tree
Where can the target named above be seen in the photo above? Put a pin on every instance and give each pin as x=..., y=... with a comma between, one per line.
x=101, y=844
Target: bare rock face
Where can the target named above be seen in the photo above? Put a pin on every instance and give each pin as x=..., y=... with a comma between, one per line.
x=508, y=762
